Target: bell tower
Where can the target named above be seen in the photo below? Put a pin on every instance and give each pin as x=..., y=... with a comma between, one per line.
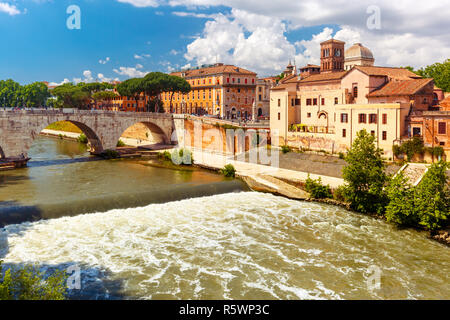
x=332, y=56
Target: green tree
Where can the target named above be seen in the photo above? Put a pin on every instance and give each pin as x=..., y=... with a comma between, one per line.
x=432, y=197
x=364, y=175
x=72, y=96
x=131, y=88
x=401, y=209
x=440, y=72
x=28, y=283
x=104, y=96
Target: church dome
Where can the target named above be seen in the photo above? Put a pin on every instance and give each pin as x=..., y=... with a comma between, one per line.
x=358, y=51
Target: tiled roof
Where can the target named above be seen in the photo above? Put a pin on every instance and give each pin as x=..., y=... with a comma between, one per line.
x=229, y=69
x=401, y=88
x=394, y=73
x=323, y=77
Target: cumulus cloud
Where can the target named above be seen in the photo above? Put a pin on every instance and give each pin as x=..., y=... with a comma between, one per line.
x=130, y=72
x=9, y=9
x=141, y=56
x=254, y=34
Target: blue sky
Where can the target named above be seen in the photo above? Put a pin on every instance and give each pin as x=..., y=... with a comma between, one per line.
x=119, y=39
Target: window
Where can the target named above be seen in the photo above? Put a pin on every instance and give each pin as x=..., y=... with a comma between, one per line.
x=239, y=80
x=442, y=143
x=344, y=118
x=297, y=102
x=315, y=101
x=292, y=102
x=384, y=118
x=355, y=91
x=279, y=116
x=246, y=81
x=384, y=135
x=344, y=133
x=279, y=102
x=336, y=100
x=308, y=114
x=308, y=102
x=323, y=101
x=259, y=97
x=361, y=118
x=260, y=89
x=228, y=80
x=416, y=132
x=442, y=128
x=372, y=118
x=372, y=133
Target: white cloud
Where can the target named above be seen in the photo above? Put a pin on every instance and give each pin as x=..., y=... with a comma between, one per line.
x=104, y=61
x=142, y=56
x=130, y=72
x=9, y=9
x=253, y=35
x=59, y=83
x=142, y=3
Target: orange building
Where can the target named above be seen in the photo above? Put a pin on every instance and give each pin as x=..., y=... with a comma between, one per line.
x=222, y=90
x=130, y=104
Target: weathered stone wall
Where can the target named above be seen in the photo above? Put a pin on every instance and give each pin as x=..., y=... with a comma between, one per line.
x=314, y=141
x=103, y=128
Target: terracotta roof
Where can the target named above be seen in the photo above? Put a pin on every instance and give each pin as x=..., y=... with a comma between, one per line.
x=401, y=88
x=310, y=66
x=213, y=70
x=288, y=78
x=331, y=76
x=394, y=73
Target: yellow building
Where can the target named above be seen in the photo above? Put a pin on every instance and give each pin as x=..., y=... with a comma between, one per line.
x=222, y=90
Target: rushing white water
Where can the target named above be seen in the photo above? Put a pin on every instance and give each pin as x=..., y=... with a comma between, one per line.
x=234, y=246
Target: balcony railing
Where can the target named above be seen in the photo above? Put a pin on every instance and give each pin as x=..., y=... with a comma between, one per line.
x=310, y=129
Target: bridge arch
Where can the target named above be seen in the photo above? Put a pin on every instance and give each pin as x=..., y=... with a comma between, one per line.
x=93, y=139
x=144, y=132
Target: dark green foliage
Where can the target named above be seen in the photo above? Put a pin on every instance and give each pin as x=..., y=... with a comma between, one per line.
x=412, y=147
x=340, y=194
x=341, y=155
x=364, y=175
x=82, y=138
x=79, y=96
x=166, y=155
x=32, y=95
x=120, y=143
x=432, y=199
x=427, y=204
x=440, y=72
x=28, y=283
x=317, y=190
x=285, y=149
x=228, y=171
x=400, y=209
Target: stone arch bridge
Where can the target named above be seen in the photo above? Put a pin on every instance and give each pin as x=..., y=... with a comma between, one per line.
x=18, y=129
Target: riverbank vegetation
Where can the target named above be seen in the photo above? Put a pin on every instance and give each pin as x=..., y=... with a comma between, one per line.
x=28, y=283
x=317, y=190
x=228, y=171
x=178, y=156
x=369, y=190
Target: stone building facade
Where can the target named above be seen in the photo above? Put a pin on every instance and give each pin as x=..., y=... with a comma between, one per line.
x=324, y=111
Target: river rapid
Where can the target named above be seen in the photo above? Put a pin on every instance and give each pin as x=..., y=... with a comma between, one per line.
x=232, y=244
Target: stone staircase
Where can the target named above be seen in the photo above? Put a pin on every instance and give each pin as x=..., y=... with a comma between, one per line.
x=414, y=172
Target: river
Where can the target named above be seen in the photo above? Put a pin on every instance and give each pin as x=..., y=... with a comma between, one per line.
x=195, y=235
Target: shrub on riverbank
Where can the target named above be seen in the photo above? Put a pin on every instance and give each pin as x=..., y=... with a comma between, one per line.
x=178, y=156
x=228, y=171
x=365, y=176
x=110, y=154
x=426, y=205
x=82, y=138
x=285, y=149
x=317, y=190
x=28, y=283
x=120, y=143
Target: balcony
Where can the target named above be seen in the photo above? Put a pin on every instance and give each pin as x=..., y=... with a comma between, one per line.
x=310, y=129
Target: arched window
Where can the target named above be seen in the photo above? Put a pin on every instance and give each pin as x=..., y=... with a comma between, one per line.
x=355, y=91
